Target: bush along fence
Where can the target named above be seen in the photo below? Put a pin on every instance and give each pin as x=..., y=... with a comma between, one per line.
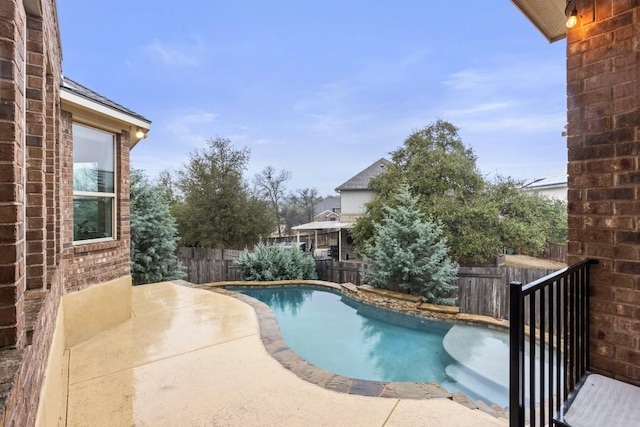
x=481, y=290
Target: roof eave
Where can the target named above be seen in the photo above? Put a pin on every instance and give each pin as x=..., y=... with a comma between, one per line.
x=84, y=103
x=547, y=16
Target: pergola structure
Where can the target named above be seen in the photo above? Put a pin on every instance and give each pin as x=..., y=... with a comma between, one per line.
x=324, y=226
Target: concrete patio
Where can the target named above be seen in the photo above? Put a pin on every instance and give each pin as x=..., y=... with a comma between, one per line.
x=190, y=357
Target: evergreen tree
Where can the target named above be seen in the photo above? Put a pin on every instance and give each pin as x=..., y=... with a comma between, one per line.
x=409, y=254
x=154, y=237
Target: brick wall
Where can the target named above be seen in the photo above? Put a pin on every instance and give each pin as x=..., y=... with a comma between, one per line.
x=12, y=170
x=35, y=146
x=28, y=46
x=91, y=263
x=38, y=261
x=42, y=309
x=603, y=88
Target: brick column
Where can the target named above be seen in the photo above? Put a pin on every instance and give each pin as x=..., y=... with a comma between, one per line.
x=35, y=140
x=52, y=173
x=603, y=89
x=12, y=172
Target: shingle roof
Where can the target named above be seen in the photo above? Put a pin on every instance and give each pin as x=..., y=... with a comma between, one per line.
x=327, y=204
x=551, y=180
x=87, y=93
x=361, y=180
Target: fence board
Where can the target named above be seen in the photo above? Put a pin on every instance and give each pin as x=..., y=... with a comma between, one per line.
x=205, y=265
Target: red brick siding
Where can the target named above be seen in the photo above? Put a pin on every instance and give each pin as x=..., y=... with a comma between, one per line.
x=12, y=167
x=52, y=178
x=603, y=90
x=35, y=197
x=36, y=207
x=91, y=263
x=22, y=407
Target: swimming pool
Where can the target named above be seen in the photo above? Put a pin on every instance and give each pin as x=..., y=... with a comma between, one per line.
x=357, y=340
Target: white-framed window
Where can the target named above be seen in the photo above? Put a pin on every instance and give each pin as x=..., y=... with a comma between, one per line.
x=94, y=184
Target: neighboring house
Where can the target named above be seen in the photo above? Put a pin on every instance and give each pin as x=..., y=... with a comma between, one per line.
x=553, y=186
x=327, y=216
x=603, y=98
x=335, y=216
x=327, y=210
x=64, y=213
x=355, y=192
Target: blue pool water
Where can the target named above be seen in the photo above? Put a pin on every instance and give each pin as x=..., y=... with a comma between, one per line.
x=347, y=337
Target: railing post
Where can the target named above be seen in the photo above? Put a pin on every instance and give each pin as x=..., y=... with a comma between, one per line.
x=516, y=356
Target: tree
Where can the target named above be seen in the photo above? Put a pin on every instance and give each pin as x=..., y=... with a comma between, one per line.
x=479, y=217
x=441, y=172
x=154, y=236
x=527, y=221
x=410, y=254
x=167, y=187
x=291, y=214
x=306, y=199
x=217, y=210
x=271, y=186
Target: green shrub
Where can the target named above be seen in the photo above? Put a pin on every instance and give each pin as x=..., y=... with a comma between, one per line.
x=268, y=262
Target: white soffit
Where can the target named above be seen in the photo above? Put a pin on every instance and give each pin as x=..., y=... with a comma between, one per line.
x=546, y=15
x=88, y=104
x=322, y=225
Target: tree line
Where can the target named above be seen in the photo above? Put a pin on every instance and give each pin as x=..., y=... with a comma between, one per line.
x=215, y=206
x=207, y=202
x=479, y=216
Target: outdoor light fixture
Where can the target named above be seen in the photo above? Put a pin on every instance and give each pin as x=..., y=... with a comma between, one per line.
x=140, y=134
x=572, y=19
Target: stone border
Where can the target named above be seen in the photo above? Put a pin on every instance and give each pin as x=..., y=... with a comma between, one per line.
x=275, y=345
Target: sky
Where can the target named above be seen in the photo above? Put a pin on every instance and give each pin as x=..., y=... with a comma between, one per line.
x=323, y=89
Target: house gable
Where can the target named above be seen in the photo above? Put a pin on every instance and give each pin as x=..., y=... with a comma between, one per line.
x=355, y=192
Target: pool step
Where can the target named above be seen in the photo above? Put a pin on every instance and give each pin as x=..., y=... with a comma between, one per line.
x=475, y=386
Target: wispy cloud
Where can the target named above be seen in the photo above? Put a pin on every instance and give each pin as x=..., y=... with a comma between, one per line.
x=512, y=72
x=176, y=54
x=175, y=135
x=189, y=126
x=480, y=108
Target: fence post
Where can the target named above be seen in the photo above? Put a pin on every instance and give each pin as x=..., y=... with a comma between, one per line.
x=516, y=356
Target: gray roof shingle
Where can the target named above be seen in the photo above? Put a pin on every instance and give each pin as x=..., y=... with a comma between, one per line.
x=327, y=204
x=361, y=180
x=87, y=93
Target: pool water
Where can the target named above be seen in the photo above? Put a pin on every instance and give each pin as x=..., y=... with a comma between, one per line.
x=343, y=336
x=357, y=340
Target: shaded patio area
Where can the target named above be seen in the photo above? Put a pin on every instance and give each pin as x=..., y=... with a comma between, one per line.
x=192, y=357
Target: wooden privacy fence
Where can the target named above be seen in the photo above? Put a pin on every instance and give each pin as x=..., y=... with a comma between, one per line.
x=211, y=270
x=485, y=290
x=207, y=253
x=480, y=290
x=340, y=271
x=209, y=265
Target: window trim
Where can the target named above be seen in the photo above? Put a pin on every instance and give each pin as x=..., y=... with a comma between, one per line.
x=113, y=196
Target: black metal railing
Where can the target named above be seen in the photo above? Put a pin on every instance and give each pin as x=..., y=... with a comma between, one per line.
x=549, y=343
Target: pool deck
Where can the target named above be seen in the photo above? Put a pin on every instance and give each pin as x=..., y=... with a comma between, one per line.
x=191, y=357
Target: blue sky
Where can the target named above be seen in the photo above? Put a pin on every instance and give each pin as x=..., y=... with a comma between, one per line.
x=324, y=89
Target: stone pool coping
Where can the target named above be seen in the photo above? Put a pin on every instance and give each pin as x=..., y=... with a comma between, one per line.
x=275, y=345
x=407, y=304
